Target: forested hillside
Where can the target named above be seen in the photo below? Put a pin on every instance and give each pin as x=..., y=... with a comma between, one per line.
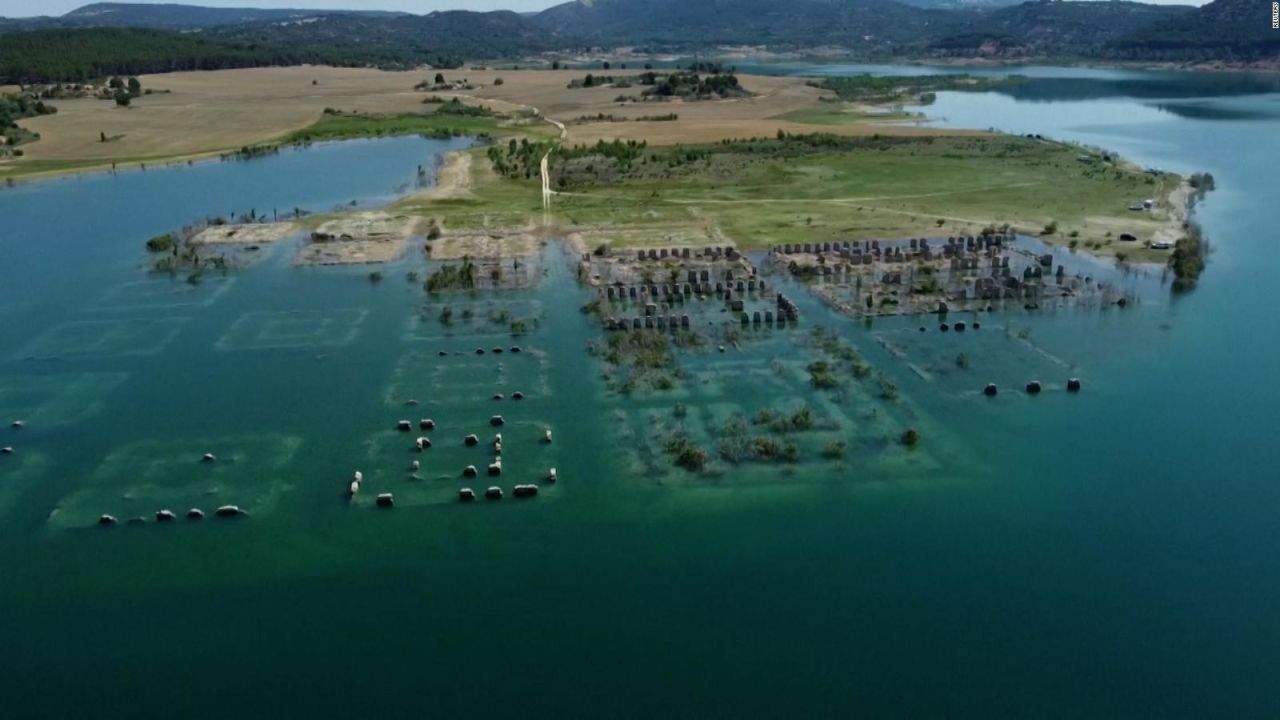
x=1227, y=30
x=1224, y=30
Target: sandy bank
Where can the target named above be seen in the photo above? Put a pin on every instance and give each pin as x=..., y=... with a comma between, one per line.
x=495, y=243
x=1178, y=213
x=453, y=180
x=356, y=238
x=248, y=234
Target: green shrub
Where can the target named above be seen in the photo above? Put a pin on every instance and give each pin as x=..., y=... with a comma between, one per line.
x=686, y=453
x=162, y=243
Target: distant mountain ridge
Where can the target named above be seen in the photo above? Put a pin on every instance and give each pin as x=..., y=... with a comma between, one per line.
x=1061, y=28
x=445, y=37
x=1223, y=30
x=850, y=23
x=172, y=16
x=960, y=4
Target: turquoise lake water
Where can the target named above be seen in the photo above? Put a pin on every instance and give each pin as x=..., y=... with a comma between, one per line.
x=1107, y=554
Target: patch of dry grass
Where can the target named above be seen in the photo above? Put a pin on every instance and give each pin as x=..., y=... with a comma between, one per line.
x=205, y=113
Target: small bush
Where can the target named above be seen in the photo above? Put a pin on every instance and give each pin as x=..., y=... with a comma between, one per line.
x=687, y=454
x=162, y=243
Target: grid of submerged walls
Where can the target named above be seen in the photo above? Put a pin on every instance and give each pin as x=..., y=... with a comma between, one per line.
x=694, y=276
x=977, y=270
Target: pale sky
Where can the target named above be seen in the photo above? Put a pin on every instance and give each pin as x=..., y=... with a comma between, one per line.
x=23, y=8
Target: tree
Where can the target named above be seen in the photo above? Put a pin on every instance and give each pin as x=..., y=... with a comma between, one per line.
x=135, y=87
x=439, y=78
x=123, y=98
x=497, y=81
x=606, y=65
x=555, y=65
x=589, y=81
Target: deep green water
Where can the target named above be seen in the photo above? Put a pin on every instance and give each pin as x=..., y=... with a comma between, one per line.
x=1110, y=554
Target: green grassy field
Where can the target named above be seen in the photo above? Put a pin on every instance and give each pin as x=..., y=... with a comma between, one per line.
x=495, y=201
x=433, y=124
x=837, y=114
x=938, y=186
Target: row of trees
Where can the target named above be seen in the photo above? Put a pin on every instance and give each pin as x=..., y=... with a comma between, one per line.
x=81, y=55
x=124, y=91
x=16, y=106
x=693, y=86
x=518, y=159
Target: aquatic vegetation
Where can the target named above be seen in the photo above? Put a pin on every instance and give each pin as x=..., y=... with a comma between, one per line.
x=1189, y=257
x=760, y=448
x=765, y=448
x=162, y=243
x=910, y=437
x=835, y=449
x=640, y=358
x=822, y=375
x=185, y=256
x=647, y=350
x=798, y=421
x=686, y=453
x=840, y=350
x=888, y=390
x=251, y=152
x=453, y=277
x=764, y=416
x=1201, y=183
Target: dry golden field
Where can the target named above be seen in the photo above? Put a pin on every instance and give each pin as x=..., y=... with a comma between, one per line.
x=209, y=112
x=206, y=112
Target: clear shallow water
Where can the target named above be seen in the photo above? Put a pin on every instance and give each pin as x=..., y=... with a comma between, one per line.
x=1107, y=554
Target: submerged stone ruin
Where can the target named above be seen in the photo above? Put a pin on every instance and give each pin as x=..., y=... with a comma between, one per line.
x=920, y=275
x=681, y=288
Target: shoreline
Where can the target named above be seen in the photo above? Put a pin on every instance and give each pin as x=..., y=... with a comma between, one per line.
x=175, y=161
x=817, y=56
